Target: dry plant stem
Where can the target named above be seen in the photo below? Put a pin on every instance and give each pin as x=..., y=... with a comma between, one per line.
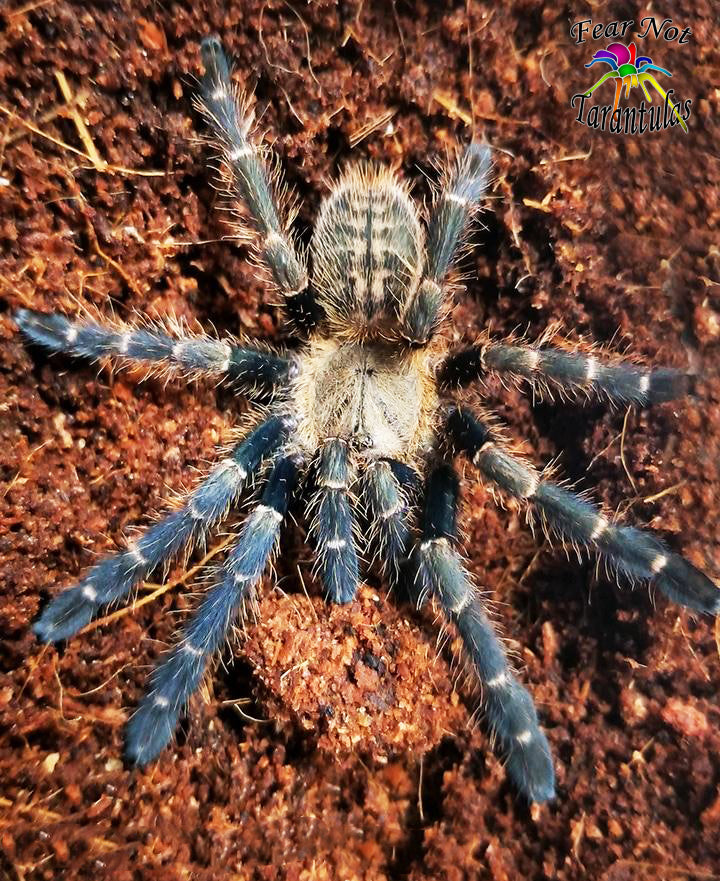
x=157, y=590
x=82, y=129
x=85, y=211
x=116, y=169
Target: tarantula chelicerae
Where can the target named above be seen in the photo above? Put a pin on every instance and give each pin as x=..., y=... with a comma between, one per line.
x=361, y=409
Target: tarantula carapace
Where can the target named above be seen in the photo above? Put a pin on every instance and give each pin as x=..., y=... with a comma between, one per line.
x=361, y=411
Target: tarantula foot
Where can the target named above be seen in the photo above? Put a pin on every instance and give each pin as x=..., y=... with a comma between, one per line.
x=69, y=612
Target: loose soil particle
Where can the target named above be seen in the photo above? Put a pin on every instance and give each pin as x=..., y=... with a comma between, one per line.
x=333, y=745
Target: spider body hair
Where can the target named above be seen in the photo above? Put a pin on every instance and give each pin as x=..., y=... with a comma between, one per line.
x=255, y=371
x=571, y=372
x=251, y=181
x=180, y=672
x=333, y=527
x=389, y=509
x=631, y=551
x=368, y=248
x=381, y=396
x=456, y=203
x=508, y=707
x=356, y=415
x=114, y=577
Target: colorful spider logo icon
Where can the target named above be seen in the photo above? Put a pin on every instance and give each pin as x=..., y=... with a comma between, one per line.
x=630, y=71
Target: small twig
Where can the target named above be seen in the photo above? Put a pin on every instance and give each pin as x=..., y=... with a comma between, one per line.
x=264, y=45
x=580, y=156
x=576, y=836
x=665, y=492
x=292, y=109
x=33, y=666
x=534, y=559
x=102, y=684
x=24, y=462
x=82, y=130
x=46, y=816
x=366, y=130
x=35, y=130
x=622, y=450
x=235, y=704
x=158, y=591
x=548, y=51
x=307, y=595
x=602, y=452
x=695, y=655
x=117, y=169
x=36, y=4
x=307, y=43
x=61, y=698
x=471, y=90
x=448, y=103
x=399, y=29
x=421, y=812
x=349, y=32
x=44, y=119
x=299, y=666
x=638, y=756
x=92, y=235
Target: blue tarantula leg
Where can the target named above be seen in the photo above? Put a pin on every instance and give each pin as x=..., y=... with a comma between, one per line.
x=633, y=552
x=115, y=576
x=385, y=488
x=249, y=369
x=332, y=524
x=390, y=490
x=179, y=673
x=457, y=202
x=231, y=121
x=508, y=707
x=569, y=372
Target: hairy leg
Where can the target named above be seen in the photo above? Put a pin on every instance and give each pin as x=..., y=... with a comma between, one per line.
x=508, y=707
x=454, y=207
x=549, y=367
x=634, y=552
x=387, y=488
x=252, y=370
x=179, y=673
x=232, y=121
x=115, y=576
x=332, y=524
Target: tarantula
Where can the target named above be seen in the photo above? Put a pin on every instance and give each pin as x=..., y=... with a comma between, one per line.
x=361, y=410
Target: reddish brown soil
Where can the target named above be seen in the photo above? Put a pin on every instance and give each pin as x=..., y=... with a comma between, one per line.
x=334, y=745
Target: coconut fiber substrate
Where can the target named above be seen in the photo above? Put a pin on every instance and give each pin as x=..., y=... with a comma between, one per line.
x=343, y=742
